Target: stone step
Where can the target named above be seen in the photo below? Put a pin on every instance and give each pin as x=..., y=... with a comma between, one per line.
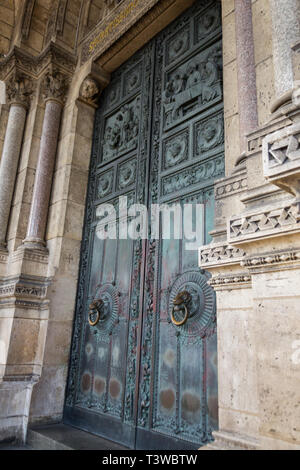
x=63, y=437
x=228, y=441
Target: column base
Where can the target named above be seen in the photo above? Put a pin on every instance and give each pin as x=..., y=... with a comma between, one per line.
x=231, y=441
x=15, y=397
x=35, y=244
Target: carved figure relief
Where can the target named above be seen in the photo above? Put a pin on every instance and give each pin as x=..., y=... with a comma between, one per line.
x=178, y=45
x=192, y=86
x=175, y=150
x=105, y=184
x=207, y=23
x=127, y=174
x=89, y=91
x=132, y=80
x=194, y=175
x=209, y=134
x=121, y=130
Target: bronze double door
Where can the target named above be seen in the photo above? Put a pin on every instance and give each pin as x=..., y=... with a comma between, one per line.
x=143, y=368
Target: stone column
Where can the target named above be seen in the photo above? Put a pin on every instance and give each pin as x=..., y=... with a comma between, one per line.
x=286, y=31
x=247, y=93
x=18, y=91
x=55, y=86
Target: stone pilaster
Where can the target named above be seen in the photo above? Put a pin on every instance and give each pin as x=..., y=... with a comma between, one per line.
x=247, y=93
x=286, y=31
x=18, y=92
x=54, y=92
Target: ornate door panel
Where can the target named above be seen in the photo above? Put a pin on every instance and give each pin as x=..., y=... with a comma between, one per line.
x=145, y=374
x=102, y=390
x=178, y=384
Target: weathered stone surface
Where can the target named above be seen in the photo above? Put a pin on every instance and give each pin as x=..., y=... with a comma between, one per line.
x=247, y=93
x=9, y=164
x=44, y=173
x=286, y=31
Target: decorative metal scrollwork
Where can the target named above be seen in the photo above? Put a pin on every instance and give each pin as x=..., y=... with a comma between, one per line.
x=180, y=304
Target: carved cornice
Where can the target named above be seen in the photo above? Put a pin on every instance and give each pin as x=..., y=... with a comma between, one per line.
x=220, y=254
x=18, y=381
x=230, y=186
x=236, y=281
x=281, y=159
x=129, y=18
x=271, y=259
x=264, y=223
x=12, y=302
x=35, y=66
x=60, y=58
x=255, y=138
x=24, y=287
x=30, y=255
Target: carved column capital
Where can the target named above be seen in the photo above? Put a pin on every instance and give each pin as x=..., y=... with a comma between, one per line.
x=55, y=86
x=19, y=89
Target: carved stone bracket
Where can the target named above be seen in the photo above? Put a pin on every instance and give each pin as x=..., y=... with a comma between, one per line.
x=89, y=92
x=93, y=84
x=281, y=159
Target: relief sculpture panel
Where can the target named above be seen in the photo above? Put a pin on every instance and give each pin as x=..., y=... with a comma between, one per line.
x=207, y=24
x=193, y=86
x=175, y=150
x=121, y=131
x=178, y=45
x=209, y=135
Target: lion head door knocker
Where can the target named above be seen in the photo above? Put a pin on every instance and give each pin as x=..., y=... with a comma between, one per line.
x=104, y=310
x=99, y=310
x=95, y=309
x=191, y=305
x=180, y=310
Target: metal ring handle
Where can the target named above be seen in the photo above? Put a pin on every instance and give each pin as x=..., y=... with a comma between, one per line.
x=182, y=322
x=94, y=306
x=94, y=323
